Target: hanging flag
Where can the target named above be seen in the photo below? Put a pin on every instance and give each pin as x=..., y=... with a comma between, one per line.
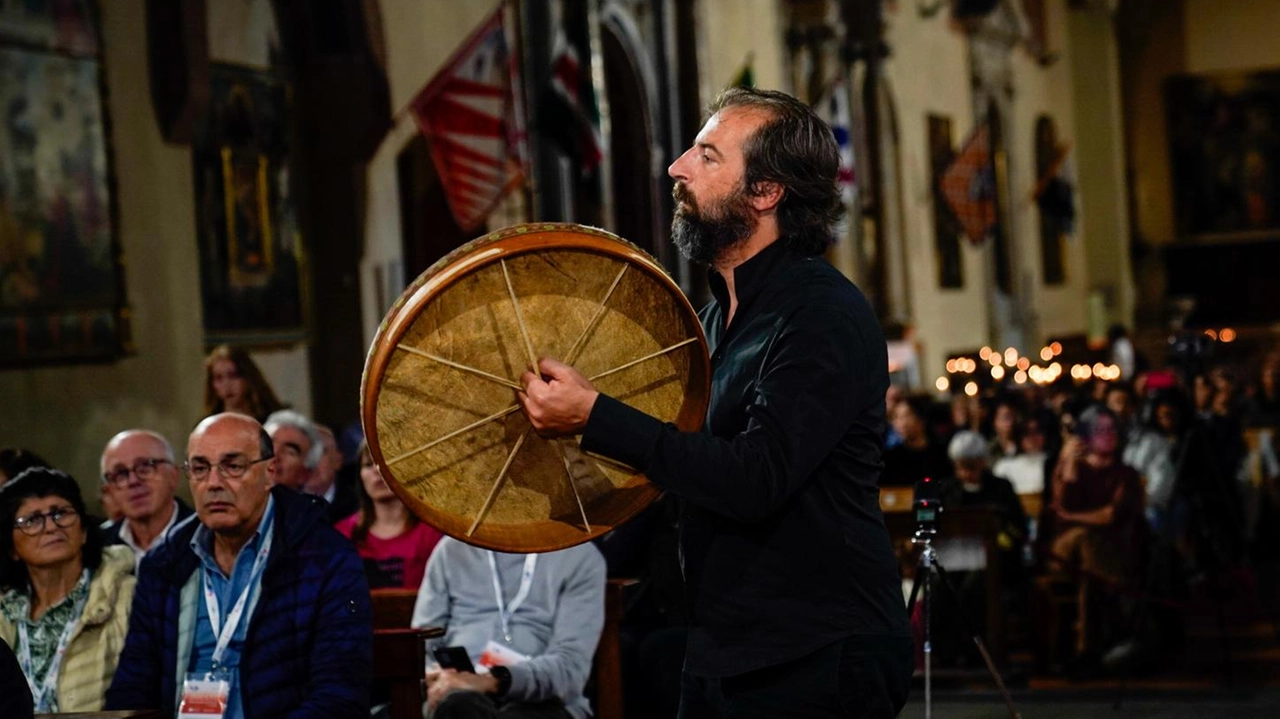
x=470, y=118
x=746, y=77
x=970, y=188
x=834, y=109
x=569, y=113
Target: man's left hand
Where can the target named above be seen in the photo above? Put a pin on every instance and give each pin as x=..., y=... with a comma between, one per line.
x=560, y=404
x=450, y=681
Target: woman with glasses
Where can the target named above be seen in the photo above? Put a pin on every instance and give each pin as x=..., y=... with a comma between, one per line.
x=64, y=599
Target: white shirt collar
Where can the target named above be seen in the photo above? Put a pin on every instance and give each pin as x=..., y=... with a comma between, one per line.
x=126, y=536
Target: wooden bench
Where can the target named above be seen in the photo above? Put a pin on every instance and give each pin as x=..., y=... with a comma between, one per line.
x=399, y=652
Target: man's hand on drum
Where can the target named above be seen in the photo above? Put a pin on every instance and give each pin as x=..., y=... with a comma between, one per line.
x=559, y=402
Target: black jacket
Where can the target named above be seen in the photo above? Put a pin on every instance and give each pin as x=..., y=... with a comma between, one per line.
x=784, y=548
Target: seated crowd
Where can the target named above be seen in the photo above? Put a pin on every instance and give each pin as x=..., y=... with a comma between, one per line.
x=1134, y=493
x=259, y=597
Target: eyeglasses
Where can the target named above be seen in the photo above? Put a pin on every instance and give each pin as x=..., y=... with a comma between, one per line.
x=228, y=468
x=33, y=524
x=144, y=469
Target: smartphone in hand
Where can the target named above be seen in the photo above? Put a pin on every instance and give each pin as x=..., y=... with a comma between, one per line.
x=455, y=658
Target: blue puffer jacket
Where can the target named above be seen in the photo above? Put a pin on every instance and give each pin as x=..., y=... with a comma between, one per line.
x=309, y=650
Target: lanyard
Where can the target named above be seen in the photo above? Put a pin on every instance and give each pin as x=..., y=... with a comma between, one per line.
x=224, y=632
x=41, y=694
x=505, y=612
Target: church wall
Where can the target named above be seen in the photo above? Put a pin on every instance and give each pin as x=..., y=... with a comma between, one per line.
x=1100, y=161
x=67, y=413
x=928, y=71
x=1226, y=35
x=729, y=31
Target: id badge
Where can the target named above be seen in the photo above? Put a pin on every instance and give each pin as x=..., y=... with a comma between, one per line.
x=500, y=655
x=203, y=697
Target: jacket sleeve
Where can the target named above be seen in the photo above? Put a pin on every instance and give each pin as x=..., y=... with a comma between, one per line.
x=138, y=678
x=563, y=669
x=805, y=399
x=342, y=651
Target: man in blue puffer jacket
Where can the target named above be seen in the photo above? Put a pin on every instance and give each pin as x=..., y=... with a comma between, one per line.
x=261, y=594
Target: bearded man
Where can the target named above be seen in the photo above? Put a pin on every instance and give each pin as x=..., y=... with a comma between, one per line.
x=796, y=604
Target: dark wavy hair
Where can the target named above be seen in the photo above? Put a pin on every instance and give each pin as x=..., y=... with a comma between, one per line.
x=360, y=532
x=797, y=150
x=41, y=482
x=15, y=460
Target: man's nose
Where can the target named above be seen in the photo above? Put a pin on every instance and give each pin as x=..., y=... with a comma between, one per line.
x=677, y=169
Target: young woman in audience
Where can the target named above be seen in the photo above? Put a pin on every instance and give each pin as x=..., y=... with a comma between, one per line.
x=917, y=456
x=64, y=599
x=233, y=383
x=1004, y=429
x=393, y=543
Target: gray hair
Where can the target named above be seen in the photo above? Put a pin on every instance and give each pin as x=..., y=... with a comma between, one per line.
x=967, y=445
x=290, y=418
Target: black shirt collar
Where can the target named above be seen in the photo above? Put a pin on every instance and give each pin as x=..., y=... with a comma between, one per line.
x=751, y=276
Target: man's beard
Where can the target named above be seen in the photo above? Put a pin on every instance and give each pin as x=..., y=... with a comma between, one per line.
x=703, y=235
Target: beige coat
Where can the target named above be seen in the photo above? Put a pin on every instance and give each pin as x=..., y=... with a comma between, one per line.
x=94, y=649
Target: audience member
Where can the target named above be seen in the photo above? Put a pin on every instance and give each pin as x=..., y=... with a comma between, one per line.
x=65, y=607
x=1122, y=352
x=15, y=695
x=233, y=383
x=260, y=588
x=1027, y=470
x=140, y=477
x=1264, y=404
x=1095, y=518
x=1005, y=419
x=326, y=482
x=111, y=510
x=536, y=619
x=392, y=542
x=917, y=456
x=15, y=460
x=975, y=486
x=298, y=448
x=892, y=397
x=1150, y=450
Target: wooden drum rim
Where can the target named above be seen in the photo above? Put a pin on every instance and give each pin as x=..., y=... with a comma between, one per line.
x=478, y=254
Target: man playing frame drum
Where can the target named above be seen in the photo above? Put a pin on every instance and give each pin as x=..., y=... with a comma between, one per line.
x=796, y=606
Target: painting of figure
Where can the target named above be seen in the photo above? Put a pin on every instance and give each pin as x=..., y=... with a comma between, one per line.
x=60, y=290
x=1224, y=134
x=250, y=248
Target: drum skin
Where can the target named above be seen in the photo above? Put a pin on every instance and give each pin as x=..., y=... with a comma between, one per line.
x=438, y=398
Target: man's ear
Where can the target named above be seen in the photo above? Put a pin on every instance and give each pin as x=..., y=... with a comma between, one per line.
x=765, y=196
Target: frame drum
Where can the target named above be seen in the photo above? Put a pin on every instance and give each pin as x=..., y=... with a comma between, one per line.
x=438, y=395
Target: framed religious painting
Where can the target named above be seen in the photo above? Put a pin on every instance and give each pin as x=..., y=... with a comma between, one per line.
x=252, y=262
x=1224, y=137
x=61, y=287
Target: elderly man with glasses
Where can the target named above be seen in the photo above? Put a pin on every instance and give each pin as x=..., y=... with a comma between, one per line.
x=139, y=474
x=259, y=609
